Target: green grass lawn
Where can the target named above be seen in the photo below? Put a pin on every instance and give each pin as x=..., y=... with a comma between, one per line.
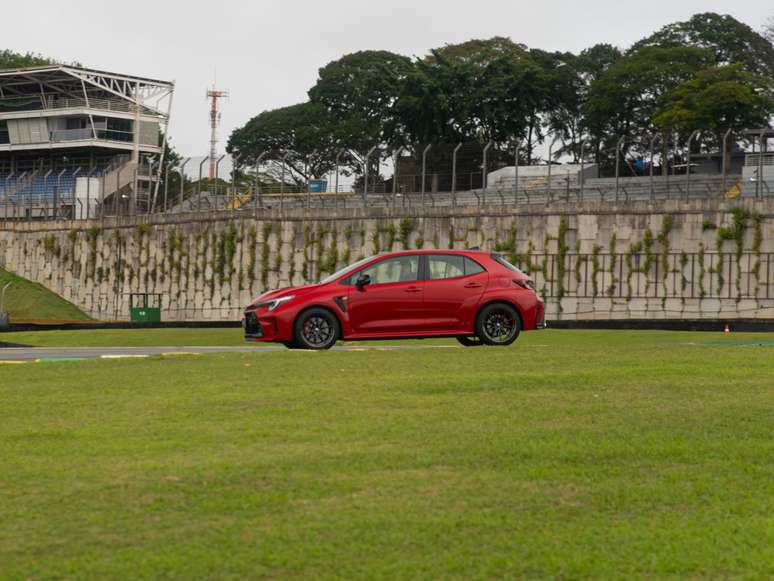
x=571, y=454
x=26, y=300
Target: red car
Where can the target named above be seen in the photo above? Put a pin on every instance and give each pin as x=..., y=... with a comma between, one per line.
x=477, y=297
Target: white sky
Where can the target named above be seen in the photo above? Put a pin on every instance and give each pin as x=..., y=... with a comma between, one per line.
x=267, y=53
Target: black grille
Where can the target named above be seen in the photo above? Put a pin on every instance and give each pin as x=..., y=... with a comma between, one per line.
x=252, y=326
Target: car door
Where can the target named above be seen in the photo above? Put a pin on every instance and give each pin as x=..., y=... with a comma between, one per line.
x=392, y=302
x=454, y=285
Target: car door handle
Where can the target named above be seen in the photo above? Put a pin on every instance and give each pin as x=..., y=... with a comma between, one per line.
x=413, y=289
x=473, y=285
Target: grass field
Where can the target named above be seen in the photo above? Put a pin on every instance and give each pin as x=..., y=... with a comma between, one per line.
x=572, y=454
x=27, y=300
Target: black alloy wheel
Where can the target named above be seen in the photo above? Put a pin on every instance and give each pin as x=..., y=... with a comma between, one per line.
x=316, y=329
x=498, y=324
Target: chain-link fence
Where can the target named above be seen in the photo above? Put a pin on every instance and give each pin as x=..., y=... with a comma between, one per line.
x=422, y=176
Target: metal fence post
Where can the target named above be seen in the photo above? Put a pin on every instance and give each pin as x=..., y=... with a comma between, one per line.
x=166, y=188
x=424, y=175
x=365, y=175
x=339, y=153
x=582, y=184
x=259, y=198
x=217, y=179
x=550, y=168
x=282, y=180
x=688, y=164
x=199, y=185
x=618, y=147
x=724, y=166
x=182, y=180
x=454, y=175
x=57, y=193
x=516, y=145
x=652, y=159
x=395, y=157
x=484, y=174
x=308, y=169
x=761, y=147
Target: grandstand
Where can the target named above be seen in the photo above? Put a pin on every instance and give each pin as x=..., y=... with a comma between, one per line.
x=77, y=142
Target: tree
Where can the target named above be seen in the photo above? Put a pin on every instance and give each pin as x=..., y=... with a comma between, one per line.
x=718, y=99
x=624, y=98
x=729, y=41
x=572, y=86
x=359, y=93
x=768, y=30
x=305, y=132
x=13, y=60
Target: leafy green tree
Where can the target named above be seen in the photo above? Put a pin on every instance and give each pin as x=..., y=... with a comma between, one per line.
x=306, y=132
x=718, y=99
x=768, y=30
x=573, y=82
x=14, y=60
x=359, y=92
x=623, y=100
x=729, y=41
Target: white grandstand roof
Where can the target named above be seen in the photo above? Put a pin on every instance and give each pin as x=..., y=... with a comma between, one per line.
x=73, y=80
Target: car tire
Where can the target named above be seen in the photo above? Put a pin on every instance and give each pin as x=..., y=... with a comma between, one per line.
x=498, y=324
x=469, y=341
x=316, y=329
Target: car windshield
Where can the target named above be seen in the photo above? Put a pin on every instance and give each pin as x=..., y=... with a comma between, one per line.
x=345, y=270
x=499, y=258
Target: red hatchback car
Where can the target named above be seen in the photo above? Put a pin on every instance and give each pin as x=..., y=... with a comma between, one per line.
x=477, y=297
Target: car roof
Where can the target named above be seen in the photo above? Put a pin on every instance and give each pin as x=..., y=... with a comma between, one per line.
x=436, y=251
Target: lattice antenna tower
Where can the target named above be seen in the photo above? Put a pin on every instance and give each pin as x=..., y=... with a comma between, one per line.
x=214, y=95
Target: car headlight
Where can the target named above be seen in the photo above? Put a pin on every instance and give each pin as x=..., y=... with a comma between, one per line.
x=273, y=303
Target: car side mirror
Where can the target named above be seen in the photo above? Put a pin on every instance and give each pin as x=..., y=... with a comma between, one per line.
x=362, y=280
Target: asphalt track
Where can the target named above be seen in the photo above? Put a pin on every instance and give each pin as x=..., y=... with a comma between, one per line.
x=28, y=354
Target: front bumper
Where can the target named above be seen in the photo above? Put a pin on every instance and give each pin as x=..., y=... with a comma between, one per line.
x=252, y=326
x=261, y=326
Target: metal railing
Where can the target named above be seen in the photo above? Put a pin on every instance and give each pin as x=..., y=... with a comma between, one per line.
x=87, y=133
x=708, y=275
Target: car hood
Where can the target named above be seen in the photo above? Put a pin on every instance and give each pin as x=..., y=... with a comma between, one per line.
x=283, y=292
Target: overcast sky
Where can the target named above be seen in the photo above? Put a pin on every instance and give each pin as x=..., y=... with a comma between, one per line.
x=267, y=53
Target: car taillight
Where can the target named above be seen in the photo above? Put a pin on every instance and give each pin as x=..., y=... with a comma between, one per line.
x=526, y=284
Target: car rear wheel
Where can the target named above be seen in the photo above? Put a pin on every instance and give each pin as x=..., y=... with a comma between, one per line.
x=316, y=329
x=498, y=324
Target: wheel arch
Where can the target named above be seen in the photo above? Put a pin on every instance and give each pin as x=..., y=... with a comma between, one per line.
x=317, y=306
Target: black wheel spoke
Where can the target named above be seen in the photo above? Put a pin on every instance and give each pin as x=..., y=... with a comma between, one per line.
x=317, y=331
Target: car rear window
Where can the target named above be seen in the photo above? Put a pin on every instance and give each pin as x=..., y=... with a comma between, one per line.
x=500, y=259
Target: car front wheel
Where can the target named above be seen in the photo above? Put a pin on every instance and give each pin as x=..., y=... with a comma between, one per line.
x=498, y=324
x=316, y=329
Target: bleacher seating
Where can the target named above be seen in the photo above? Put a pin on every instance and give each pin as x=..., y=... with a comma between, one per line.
x=39, y=188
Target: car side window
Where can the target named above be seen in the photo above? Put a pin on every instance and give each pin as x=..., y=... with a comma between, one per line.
x=397, y=269
x=441, y=266
x=472, y=267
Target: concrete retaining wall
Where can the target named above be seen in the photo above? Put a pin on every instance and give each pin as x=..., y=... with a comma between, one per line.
x=697, y=259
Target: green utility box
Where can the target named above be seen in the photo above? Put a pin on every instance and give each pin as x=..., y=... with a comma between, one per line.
x=144, y=308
